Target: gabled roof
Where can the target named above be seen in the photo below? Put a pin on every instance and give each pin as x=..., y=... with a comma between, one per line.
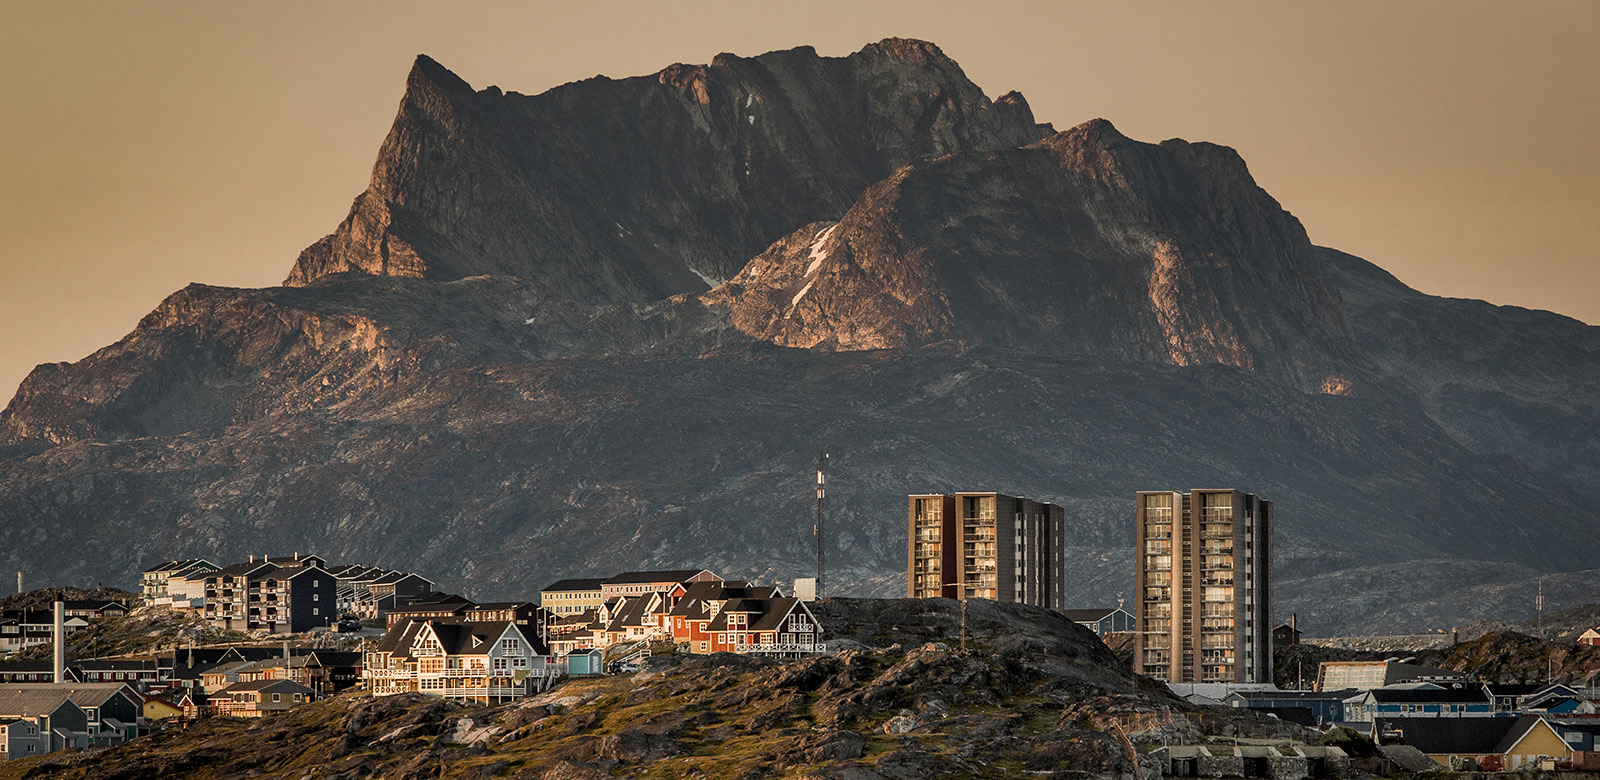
x=243, y=569
x=1090, y=615
x=1513, y=689
x=574, y=584
x=1480, y=736
x=265, y=686
x=763, y=614
x=81, y=694
x=649, y=577
x=503, y=605
x=439, y=598
x=26, y=700
x=399, y=638
x=178, y=565
x=631, y=614
x=327, y=658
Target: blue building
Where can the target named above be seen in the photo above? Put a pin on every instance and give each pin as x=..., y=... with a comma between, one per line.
x=1421, y=700
x=588, y=661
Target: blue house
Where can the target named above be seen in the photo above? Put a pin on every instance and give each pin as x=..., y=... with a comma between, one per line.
x=585, y=662
x=1419, y=700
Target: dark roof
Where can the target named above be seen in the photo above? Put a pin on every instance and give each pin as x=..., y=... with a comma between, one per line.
x=116, y=666
x=1301, y=715
x=631, y=614
x=765, y=614
x=1459, y=735
x=1089, y=615
x=574, y=584
x=265, y=686
x=179, y=565
x=1293, y=695
x=646, y=577
x=241, y=569
x=1413, y=695
x=326, y=658
x=93, y=605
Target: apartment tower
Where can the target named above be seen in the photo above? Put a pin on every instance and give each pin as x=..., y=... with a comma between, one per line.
x=984, y=545
x=1204, y=573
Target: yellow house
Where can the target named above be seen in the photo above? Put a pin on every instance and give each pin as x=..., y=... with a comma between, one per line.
x=161, y=709
x=1477, y=742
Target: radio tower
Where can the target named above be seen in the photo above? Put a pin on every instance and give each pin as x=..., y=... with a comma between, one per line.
x=822, y=463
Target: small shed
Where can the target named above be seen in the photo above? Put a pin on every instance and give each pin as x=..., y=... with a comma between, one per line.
x=585, y=661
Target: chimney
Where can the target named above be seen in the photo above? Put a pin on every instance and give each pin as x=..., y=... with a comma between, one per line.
x=286, y=654
x=252, y=557
x=61, y=643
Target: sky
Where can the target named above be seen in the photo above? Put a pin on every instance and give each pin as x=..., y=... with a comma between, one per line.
x=146, y=146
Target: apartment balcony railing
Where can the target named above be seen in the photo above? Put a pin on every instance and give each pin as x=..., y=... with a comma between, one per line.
x=779, y=647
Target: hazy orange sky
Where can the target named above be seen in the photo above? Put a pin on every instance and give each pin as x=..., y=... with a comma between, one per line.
x=144, y=146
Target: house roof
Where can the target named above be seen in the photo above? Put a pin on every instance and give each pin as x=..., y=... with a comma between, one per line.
x=116, y=666
x=651, y=577
x=1089, y=615
x=1299, y=715
x=179, y=565
x=1293, y=695
x=95, y=605
x=1462, y=735
x=266, y=686
x=1429, y=696
x=502, y=605
x=574, y=584
x=1513, y=689
x=764, y=614
x=242, y=569
x=631, y=614
x=81, y=694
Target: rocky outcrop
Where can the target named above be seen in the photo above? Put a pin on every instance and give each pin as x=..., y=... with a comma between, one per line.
x=1085, y=242
x=634, y=190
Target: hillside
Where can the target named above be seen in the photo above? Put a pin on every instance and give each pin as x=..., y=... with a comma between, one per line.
x=1042, y=697
x=608, y=327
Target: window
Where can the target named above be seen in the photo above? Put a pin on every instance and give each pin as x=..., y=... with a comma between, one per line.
x=276, y=697
x=315, y=611
x=316, y=597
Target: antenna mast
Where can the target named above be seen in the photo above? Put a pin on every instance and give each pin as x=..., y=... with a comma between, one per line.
x=1538, y=606
x=822, y=463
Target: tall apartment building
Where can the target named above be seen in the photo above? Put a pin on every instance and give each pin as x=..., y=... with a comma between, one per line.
x=1204, y=571
x=985, y=545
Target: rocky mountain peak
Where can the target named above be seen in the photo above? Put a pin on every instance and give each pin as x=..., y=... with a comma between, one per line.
x=638, y=189
x=908, y=50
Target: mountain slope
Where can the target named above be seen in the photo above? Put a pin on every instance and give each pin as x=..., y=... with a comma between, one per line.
x=1085, y=242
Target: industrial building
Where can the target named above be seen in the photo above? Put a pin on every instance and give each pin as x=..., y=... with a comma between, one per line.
x=1204, y=579
x=984, y=545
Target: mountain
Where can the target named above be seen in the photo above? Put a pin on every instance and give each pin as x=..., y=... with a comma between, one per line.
x=572, y=334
